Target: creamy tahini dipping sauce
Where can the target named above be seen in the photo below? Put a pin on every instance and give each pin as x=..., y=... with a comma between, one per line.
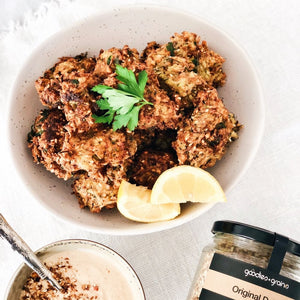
x=84, y=275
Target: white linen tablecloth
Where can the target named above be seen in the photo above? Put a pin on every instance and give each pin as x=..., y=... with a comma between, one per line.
x=268, y=195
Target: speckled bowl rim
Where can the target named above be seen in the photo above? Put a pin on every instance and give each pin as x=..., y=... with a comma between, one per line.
x=97, y=245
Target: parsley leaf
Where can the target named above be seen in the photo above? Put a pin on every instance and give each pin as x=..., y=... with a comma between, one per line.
x=130, y=84
x=120, y=120
x=143, y=77
x=170, y=47
x=134, y=117
x=117, y=100
x=122, y=105
x=106, y=118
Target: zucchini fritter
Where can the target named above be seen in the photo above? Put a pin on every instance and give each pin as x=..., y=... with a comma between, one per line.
x=203, y=139
x=187, y=123
x=46, y=139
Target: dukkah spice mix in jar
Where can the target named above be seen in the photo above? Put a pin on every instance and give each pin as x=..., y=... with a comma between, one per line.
x=246, y=262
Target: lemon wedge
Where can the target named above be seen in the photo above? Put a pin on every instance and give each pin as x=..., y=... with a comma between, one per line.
x=134, y=203
x=186, y=184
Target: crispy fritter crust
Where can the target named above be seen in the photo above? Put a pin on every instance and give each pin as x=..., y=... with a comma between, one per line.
x=66, y=86
x=164, y=113
x=94, y=150
x=182, y=59
x=187, y=123
x=46, y=139
x=204, y=137
x=96, y=191
x=149, y=164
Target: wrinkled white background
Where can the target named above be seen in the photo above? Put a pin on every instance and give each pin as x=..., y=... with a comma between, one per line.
x=268, y=195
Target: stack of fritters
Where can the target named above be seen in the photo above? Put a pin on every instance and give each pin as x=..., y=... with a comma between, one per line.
x=187, y=124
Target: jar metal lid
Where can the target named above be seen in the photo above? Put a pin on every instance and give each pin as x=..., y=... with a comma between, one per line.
x=254, y=233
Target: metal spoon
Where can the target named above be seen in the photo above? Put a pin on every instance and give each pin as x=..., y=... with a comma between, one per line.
x=22, y=248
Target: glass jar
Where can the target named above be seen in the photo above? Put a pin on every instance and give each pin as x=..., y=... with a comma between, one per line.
x=264, y=255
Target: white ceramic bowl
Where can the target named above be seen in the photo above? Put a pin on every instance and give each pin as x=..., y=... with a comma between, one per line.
x=112, y=260
x=134, y=26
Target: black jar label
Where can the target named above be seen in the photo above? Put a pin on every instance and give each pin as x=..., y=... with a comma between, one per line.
x=229, y=278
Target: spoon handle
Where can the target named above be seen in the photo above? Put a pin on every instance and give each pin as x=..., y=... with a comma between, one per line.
x=18, y=244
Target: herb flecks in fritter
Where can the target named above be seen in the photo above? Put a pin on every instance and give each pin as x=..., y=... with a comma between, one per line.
x=184, y=122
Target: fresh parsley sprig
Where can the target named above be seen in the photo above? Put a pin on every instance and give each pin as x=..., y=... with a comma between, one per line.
x=122, y=105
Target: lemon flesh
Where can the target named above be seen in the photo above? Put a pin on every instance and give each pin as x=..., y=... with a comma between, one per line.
x=186, y=184
x=134, y=204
